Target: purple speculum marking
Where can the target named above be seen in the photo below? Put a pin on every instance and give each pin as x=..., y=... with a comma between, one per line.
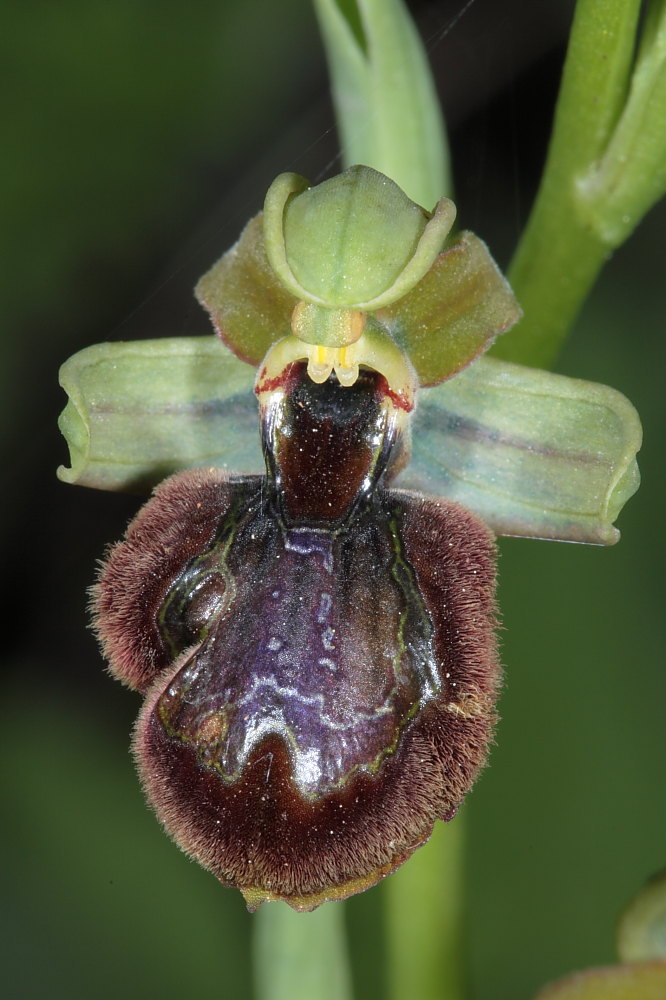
x=306, y=614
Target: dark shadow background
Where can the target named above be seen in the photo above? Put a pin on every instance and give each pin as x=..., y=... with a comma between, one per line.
x=139, y=138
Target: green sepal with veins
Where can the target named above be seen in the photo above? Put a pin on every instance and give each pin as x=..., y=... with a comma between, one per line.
x=322, y=260
x=141, y=410
x=535, y=454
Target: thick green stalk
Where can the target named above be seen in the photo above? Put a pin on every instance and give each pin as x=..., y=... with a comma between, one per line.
x=424, y=901
x=301, y=956
x=606, y=166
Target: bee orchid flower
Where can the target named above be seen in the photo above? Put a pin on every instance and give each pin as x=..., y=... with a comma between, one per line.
x=315, y=642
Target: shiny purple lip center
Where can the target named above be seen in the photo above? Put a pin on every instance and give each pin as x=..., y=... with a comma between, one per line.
x=313, y=626
x=320, y=638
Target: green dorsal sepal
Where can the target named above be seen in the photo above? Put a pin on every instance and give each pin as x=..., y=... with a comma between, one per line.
x=355, y=241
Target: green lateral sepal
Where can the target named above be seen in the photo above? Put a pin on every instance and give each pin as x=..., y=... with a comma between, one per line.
x=535, y=454
x=139, y=411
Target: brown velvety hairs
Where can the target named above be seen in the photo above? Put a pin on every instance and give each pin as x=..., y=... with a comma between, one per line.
x=259, y=832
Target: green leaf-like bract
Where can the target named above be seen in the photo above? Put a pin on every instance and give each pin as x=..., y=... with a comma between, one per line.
x=386, y=103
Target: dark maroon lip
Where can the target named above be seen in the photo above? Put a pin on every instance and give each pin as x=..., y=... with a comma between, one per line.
x=317, y=652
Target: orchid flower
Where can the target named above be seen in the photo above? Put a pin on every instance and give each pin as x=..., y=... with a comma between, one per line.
x=316, y=643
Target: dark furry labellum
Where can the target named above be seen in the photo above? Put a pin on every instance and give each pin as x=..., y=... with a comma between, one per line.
x=317, y=651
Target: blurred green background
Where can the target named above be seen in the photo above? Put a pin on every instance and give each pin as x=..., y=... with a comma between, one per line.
x=138, y=139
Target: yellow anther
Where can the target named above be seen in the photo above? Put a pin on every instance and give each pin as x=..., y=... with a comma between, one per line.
x=374, y=349
x=320, y=362
x=346, y=364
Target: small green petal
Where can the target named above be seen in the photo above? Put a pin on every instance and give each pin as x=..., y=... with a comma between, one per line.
x=644, y=981
x=140, y=410
x=354, y=241
x=454, y=313
x=641, y=933
x=249, y=307
x=535, y=454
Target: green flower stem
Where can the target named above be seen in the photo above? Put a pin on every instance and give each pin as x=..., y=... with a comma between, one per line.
x=606, y=166
x=424, y=919
x=385, y=100
x=301, y=956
